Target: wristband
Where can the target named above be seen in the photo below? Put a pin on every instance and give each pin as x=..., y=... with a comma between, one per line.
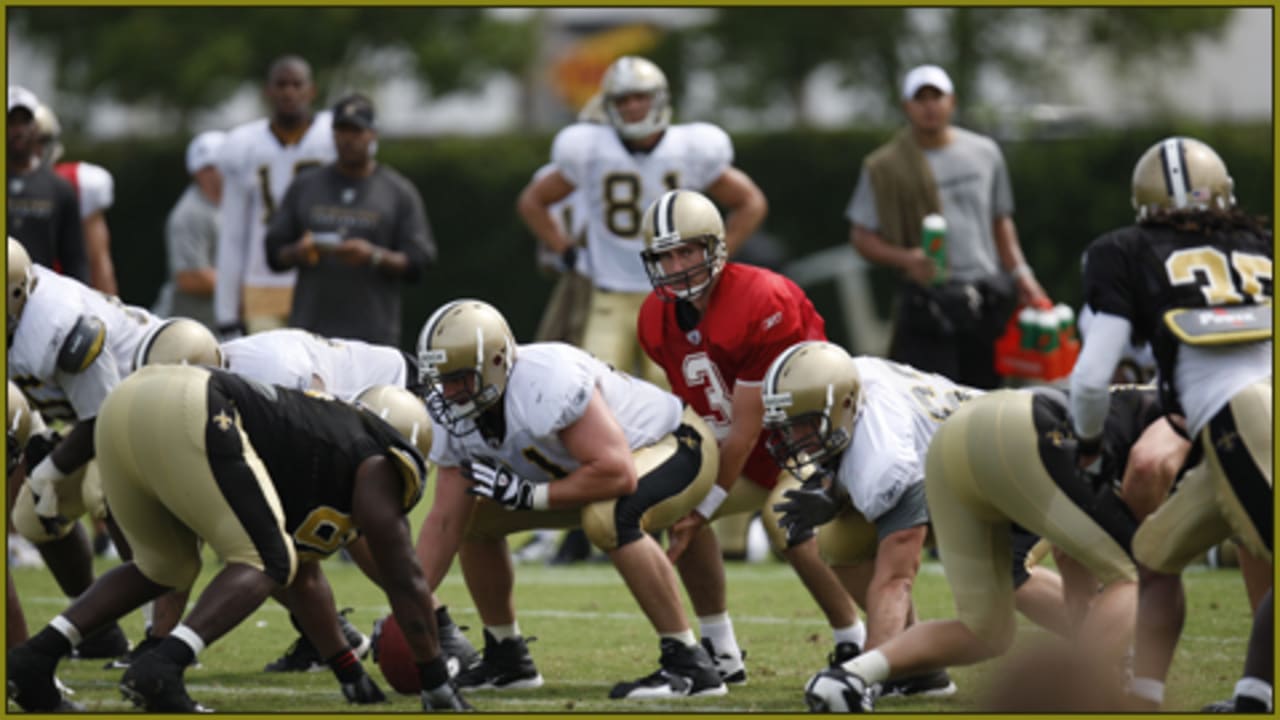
x=345, y=666
x=715, y=497
x=541, y=496
x=1087, y=447
x=433, y=674
x=375, y=258
x=1022, y=270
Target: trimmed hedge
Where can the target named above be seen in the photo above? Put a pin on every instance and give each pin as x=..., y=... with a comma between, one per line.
x=1067, y=191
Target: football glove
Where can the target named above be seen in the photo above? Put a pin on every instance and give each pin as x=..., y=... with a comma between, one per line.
x=804, y=509
x=445, y=697
x=499, y=484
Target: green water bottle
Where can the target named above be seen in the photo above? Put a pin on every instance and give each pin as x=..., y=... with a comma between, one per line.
x=933, y=238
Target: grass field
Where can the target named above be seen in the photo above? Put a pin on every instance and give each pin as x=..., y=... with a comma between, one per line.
x=590, y=635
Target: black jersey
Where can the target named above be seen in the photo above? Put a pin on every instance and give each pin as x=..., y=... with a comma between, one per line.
x=311, y=445
x=1142, y=271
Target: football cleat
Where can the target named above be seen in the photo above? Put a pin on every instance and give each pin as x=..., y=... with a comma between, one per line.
x=934, y=684
x=109, y=642
x=835, y=689
x=154, y=683
x=302, y=656
x=732, y=668
x=844, y=652
x=459, y=653
x=31, y=683
x=506, y=665
x=686, y=671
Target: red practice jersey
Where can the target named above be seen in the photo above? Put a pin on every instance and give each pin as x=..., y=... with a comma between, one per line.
x=752, y=316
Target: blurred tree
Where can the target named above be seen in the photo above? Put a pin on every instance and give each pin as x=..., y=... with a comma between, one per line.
x=186, y=59
x=768, y=54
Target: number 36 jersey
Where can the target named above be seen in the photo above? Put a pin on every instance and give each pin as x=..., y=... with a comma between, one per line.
x=752, y=315
x=1140, y=272
x=619, y=185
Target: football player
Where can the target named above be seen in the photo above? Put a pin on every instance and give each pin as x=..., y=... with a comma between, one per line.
x=713, y=327
x=259, y=160
x=1193, y=276
x=268, y=477
x=17, y=431
x=621, y=167
x=996, y=459
x=547, y=436
x=95, y=189
x=68, y=346
x=349, y=370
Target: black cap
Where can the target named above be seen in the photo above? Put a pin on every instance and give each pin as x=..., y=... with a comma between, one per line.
x=354, y=110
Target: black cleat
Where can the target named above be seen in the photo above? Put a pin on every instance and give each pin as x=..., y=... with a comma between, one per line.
x=934, y=684
x=303, y=657
x=154, y=684
x=506, y=665
x=109, y=642
x=686, y=672
x=843, y=653
x=30, y=681
x=732, y=668
x=458, y=651
x=148, y=644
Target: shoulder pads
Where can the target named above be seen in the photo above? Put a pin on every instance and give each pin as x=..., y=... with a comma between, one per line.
x=83, y=344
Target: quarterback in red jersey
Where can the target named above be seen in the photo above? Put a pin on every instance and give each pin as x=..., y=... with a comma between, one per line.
x=714, y=327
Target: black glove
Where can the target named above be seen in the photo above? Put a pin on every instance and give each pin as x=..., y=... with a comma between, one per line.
x=39, y=445
x=499, y=484
x=805, y=508
x=444, y=697
x=362, y=690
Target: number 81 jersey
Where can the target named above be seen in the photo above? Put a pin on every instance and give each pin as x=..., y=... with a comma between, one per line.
x=618, y=186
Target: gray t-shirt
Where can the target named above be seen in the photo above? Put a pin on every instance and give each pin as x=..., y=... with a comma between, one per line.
x=338, y=300
x=191, y=240
x=973, y=186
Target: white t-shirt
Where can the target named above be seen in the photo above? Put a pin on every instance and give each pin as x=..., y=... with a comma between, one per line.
x=549, y=388
x=618, y=185
x=95, y=188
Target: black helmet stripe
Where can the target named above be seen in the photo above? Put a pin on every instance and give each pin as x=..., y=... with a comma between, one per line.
x=771, y=377
x=665, y=215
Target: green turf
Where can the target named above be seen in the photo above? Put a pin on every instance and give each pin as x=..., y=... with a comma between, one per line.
x=590, y=635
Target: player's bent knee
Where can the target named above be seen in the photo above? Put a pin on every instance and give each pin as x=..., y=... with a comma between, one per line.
x=600, y=527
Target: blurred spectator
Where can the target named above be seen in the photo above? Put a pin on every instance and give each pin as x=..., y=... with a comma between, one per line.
x=258, y=161
x=191, y=235
x=355, y=228
x=948, y=324
x=95, y=191
x=42, y=211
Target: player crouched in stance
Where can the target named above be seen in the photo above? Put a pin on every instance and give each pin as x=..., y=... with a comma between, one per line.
x=266, y=476
x=1005, y=457
x=559, y=439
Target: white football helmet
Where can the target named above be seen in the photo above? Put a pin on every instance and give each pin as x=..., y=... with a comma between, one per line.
x=683, y=217
x=812, y=393
x=1181, y=173
x=17, y=426
x=401, y=410
x=19, y=284
x=630, y=74
x=48, y=132
x=179, y=341
x=465, y=354
x=837, y=690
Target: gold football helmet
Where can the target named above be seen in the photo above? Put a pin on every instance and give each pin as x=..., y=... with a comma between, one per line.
x=630, y=74
x=401, y=410
x=1181, y=173
x=683, y=217
x=179, y=341
x=17, y=426
x=20, y=282
x=812, y=393
x=465, y=354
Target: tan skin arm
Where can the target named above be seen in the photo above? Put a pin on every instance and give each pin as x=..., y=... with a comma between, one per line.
x=196, y=282
x=97, y=247
x=1011, y=257
x=744, y=431
x=607, y=471
x=745, y=202
x=872, y=246
x=441, y=531
x=534, y=206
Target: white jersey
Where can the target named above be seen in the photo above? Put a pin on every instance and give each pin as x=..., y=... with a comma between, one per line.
x=900, y=410
x=549, y=388
x=55, y=305
x=95, y=188
x=301, y=360
x=256, y=171
x=618, y=186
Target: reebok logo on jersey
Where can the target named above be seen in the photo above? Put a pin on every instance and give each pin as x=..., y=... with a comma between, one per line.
x=771, y=321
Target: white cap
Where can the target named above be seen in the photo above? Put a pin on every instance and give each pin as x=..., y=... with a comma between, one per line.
x=22, y=97
x=203, y=150
x=926, y=76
